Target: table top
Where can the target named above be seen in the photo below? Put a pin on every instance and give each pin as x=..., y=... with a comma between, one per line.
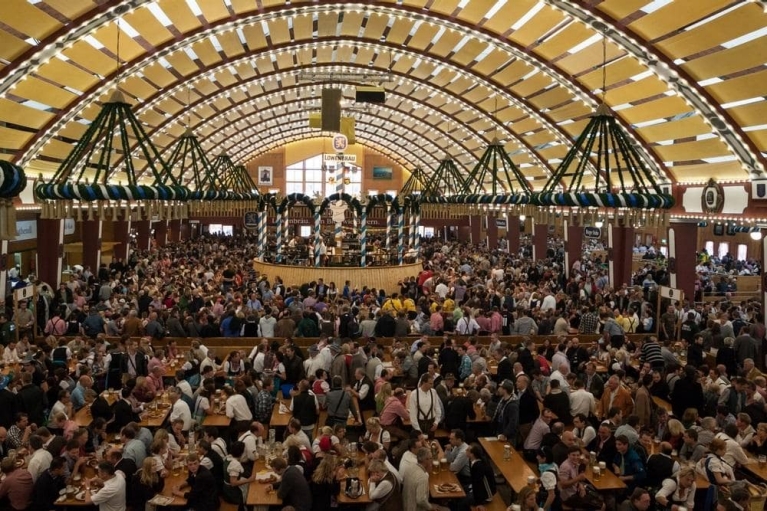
x=280, y=419
x=155, y=418
x=171, y=482
x=444, y=476
x=515, y=471
x=218, y=419
x=607, y=482
x=362, y=475
x=755, y=468
x=261, y=494
x=662, y=403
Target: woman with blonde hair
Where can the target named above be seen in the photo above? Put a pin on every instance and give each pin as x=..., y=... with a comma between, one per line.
x=383, y=394
x=376, y=433
x=146, y=483
x=325, y=483
x=674, y=433
x=527, y=499
x=679, y=491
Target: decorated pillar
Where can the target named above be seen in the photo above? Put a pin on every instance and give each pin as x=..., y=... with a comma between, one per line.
x=620, y=241
x=513, y=233
x=682, y=242
x=91, y=232
x=389, y=220
x=411, y=230
x=540, y=236
x=573, y=245
x=317, y=236
x=142, y=234
x=400, y=237
x=161, y=233
x=174, y=231
x=278, y=224
x=363, y=237
x=50, y=261
x=492, y=233
x=262, y=235
x=417, y=235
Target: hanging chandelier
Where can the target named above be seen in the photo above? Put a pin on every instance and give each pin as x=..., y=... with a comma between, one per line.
x=103, y=169
x=604, y=170
x=415, y=183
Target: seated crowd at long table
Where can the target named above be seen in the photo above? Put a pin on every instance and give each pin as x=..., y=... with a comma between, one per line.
x=401, y=425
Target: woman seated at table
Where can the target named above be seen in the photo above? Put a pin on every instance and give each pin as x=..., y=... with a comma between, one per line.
x=326, y=483
x=716, y=471
x=679, y=491
x=527, y=499
x=145, y=484
x=176, y=438
x=160, y=454
x=377, y=434
x=141, y=392
x=235, y=489
x=758, y=444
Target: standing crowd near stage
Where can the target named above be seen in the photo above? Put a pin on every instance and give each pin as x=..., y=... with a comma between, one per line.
x=593, y=377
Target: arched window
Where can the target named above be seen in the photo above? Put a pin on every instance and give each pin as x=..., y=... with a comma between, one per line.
x=310, y=177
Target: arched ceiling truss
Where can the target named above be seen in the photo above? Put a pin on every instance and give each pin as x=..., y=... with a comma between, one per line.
x=684, y=77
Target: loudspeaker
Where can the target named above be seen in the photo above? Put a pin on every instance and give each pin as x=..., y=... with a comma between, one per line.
x=331, y=110
x=376, y=95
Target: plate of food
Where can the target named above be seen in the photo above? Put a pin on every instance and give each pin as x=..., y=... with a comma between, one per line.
x=80, y=496
x=93, y=463
x=446, y=488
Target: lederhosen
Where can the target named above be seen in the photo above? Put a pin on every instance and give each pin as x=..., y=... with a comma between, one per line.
x=425, y=420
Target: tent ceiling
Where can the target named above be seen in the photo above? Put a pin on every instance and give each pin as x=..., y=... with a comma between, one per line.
x=685, y=77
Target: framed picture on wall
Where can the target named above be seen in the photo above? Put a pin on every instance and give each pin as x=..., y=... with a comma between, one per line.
x=383, y=173
x=265, y=176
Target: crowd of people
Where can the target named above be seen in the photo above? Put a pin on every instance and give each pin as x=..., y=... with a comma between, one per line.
x=550, y=400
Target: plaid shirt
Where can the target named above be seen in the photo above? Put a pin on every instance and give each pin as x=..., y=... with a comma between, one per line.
x=589, y=323
x=15, y=437
x=264, y=406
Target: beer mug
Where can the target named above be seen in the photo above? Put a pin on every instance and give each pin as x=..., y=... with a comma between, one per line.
x=597, y=473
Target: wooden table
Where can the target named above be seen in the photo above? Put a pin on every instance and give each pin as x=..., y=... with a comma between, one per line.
x=362, y=475
x=515, y=471
x=155, y=419
x=171, y=482
x=260, y=494
x=662, y=403
x=88, y=472
x=607, y=482
x=759, y=471
x=444, y=476
x=219, y=418
x=280, y=420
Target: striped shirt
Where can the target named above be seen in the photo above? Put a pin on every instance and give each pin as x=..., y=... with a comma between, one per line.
x=651, y=353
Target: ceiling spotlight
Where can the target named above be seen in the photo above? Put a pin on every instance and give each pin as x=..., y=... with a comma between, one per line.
x=756, y=235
